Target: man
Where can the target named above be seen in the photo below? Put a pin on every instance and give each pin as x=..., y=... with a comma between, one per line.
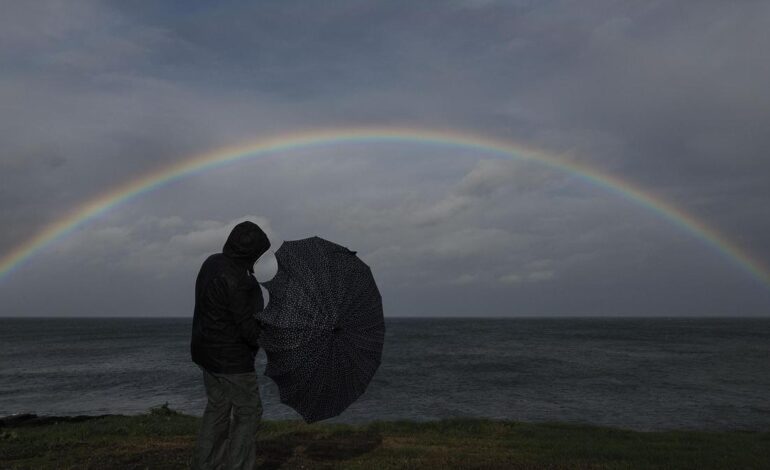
x=224, y=344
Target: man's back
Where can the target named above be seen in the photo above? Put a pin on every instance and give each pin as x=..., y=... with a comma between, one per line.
x=226, y=298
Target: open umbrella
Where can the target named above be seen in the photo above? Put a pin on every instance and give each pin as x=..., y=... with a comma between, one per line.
x=323, y=328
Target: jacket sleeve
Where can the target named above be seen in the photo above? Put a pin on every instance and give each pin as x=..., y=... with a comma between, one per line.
x=245, y=303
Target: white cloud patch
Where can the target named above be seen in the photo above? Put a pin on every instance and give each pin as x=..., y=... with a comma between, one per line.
x=488, y=176
x=533, y=271
x=161, y=246
x=487, y=180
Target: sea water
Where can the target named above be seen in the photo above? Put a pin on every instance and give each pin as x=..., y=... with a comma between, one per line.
x=646, y=374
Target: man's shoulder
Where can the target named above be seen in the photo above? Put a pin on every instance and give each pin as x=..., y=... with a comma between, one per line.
x=215, y=258
x=217, y=262
x=219, y=265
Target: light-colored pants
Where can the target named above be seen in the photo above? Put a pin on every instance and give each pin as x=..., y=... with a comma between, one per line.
x=227, y=437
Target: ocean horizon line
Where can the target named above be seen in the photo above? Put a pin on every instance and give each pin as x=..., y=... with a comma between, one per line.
x=422, y=317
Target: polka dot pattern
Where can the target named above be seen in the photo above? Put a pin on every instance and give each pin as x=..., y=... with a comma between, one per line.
x=323, y=329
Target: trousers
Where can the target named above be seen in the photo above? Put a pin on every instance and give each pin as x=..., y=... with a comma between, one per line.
x=227, y=437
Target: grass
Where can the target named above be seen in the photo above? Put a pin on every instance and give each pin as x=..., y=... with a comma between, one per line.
x=163, y=439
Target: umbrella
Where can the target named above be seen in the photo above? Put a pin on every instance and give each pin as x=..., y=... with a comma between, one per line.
x=323, y=328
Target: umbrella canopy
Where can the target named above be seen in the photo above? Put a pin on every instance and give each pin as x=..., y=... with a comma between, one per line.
x=323, y=328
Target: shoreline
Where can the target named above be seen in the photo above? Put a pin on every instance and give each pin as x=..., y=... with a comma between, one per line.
x=28, y=419
x=19, y=420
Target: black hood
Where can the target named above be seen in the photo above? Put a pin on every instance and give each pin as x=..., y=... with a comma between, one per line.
x=246, y=243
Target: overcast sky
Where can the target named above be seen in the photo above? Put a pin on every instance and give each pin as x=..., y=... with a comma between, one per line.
x=671, y=96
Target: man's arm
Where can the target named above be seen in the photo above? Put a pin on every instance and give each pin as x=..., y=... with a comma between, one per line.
x=246, y=302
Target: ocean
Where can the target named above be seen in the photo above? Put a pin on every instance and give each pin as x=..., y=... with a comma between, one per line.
x=643, y=374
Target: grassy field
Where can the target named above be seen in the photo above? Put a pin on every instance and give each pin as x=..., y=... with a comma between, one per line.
x=163, y=439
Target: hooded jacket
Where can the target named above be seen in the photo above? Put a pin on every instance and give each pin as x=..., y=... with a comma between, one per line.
x=225, y=332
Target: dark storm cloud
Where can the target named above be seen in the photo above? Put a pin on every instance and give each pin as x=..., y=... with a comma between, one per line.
x=670, y=95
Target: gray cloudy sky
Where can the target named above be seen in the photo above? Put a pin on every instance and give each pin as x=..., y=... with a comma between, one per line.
x=669, y=95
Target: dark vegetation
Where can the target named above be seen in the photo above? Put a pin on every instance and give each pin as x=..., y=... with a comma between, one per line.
x=163, y=438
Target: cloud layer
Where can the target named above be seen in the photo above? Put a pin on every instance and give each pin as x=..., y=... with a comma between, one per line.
x=669, y=95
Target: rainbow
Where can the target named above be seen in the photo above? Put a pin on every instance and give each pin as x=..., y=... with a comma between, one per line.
x=133, y=188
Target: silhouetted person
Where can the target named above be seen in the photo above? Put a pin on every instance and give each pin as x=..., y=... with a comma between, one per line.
x=224, y=344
